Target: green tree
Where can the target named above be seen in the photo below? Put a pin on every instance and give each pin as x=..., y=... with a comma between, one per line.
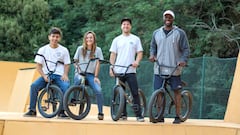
x=22, y=28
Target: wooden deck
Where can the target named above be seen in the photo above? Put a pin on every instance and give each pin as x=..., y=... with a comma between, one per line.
x=15, y=123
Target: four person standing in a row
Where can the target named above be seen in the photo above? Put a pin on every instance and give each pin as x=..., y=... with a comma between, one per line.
x=169, y=46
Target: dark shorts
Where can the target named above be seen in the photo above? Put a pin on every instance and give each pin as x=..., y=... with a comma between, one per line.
x=175, y=82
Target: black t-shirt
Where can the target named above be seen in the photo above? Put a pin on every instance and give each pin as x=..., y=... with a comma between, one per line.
x=166, y=31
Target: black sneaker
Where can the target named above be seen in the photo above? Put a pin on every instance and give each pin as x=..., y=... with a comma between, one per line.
x=62, y=115
x=30, y=113
x=123, y=117
x=100, y=116
x=140, y=119
x=161, y=119
x=177, y=120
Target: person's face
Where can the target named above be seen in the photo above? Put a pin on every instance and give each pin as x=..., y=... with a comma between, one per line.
x=126, y=27
x=168, y=20
x=89, y=39
x=54, y=39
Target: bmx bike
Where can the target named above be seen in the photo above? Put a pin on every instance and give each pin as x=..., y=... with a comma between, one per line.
x=157, y=102
x=76, y=100
x=122, y=94
x=51, y=97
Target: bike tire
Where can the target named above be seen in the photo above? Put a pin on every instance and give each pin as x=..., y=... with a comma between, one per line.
x=82, y=103
x=186, y=105
x=50, y=101
x=117, y=103
x=156, y=106
x=143, y=103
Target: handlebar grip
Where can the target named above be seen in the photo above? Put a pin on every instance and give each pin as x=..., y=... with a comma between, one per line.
x=60, y=62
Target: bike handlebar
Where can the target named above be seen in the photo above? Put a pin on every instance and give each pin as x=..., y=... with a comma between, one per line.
x=45, y=60
x=114, y=65
x=84, y=72
x=173, y=68
x=120, y=74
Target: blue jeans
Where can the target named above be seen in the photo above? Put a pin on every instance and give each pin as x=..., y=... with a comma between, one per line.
x=96, y=88
x=40, y=83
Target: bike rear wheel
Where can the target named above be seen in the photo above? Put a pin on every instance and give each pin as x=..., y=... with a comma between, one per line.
x=186, y=105
x=117, y=103
x=156, y=106
x=76, y=102
x=143, y=104
x=50, y=101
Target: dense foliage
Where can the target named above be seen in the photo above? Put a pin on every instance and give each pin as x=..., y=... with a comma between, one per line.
x=212, y=26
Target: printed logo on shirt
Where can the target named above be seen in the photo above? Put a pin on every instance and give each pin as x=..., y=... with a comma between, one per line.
x=58, y=54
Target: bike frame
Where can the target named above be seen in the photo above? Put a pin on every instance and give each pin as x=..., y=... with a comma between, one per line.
x=118, y=82
x=50, y=72
x=165, y=83
x=84, y=73
x=49, y=100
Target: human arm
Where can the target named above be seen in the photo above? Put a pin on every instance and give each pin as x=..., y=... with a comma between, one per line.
x=153, y=49
x=97, y=69
x=67, y=62
x=138, y=59
x=66, y=71
x=40, y=71
x=112, y=62
x=184, y=48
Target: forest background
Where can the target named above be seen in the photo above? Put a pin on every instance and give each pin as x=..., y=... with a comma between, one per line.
x=212, y=27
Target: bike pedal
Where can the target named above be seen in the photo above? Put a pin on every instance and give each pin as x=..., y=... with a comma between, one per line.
x=44, y=108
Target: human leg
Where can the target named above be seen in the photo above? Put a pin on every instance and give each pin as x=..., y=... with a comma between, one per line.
x=157, y=84
x=133, y=85
x=77, y=81
x=124, y=112
x=98, y=92
x=63, y=85
x=36, y=86
x=176, y=85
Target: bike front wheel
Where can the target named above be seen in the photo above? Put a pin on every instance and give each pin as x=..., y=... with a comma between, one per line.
x=76, y=102
x=50, y=101
x=186, y=105
x=117, y=103
x=156, y=106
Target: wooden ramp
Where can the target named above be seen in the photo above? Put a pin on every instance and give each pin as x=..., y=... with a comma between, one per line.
x=15, y=124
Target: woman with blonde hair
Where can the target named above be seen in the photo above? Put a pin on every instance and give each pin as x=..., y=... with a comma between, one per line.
x=84, y=53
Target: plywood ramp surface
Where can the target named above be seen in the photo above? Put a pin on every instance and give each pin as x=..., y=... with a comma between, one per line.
x=15, y=124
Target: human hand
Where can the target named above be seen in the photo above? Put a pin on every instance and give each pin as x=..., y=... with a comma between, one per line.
x=45, y=77
x=111, y=72
x=151, y=58
x=65, y=78
x=135, y=64
x=97, y=80
x=182, y=64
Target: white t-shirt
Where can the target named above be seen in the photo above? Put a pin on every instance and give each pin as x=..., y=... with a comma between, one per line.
x=53, y=55
x=125, y=48
x=83, y=61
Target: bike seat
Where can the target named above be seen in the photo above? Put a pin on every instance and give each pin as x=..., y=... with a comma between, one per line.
x=119, y=75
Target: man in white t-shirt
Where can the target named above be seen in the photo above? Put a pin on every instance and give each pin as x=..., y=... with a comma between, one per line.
x=53, y=52
x=123, y=50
